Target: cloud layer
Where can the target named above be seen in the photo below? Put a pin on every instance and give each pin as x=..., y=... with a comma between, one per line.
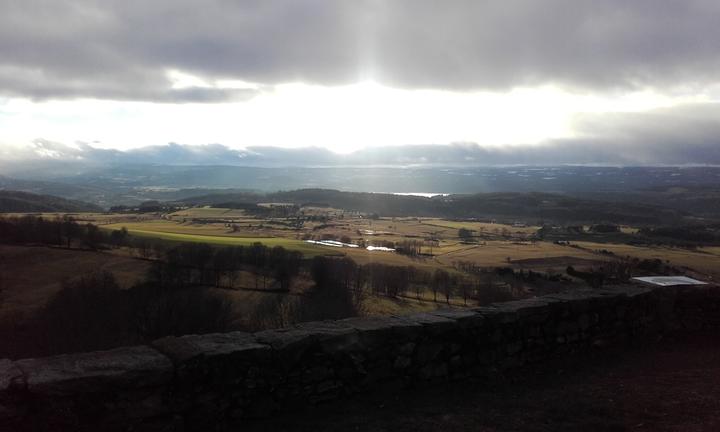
x=688, y=134
x=123, y=50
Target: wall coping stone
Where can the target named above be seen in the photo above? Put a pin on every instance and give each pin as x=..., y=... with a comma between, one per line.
x=191, y=347
x=332, y=335
x=382, y=324
x=432, y=322
x=99, y=371
x=466, y=318
x=11, y=377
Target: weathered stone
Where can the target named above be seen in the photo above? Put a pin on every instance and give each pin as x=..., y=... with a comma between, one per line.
x=286, y=338
x=566, y=328
x=11, y=382
x=289, y=345
x=575, y=301
x=316, y=374
x=194, y=347
x=465, y=318
x=499, y=315
x=332, y=335
x=11, y=377
x=513, y=348
x=632, y=290
x=456, y=362
x=535, y=310
x=434, y=370
x=97, y=372
x=402, y=362
x=327, y=386
x=584, y=321
x=373, y=329
x=526, y=306
x=406, y=349
x=428, y=352
x=433, y=324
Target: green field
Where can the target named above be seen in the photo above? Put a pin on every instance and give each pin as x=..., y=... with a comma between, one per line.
x=298, y=245
x=209, y=213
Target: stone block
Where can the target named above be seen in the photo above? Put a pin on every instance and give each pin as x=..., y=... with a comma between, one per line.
x=465, y=318
x=289, y=345
x=434, y=325
x=11, y=383
x=233, y=345
x=97, y=372
x=11, y=377
x=428, y=352
x=534, y=310
x=333, y=336
x=381, y=330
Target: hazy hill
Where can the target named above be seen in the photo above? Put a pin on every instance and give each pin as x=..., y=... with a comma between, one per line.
x=55, y=158
x=15, y=201
x=691, y=190
x=522, y=206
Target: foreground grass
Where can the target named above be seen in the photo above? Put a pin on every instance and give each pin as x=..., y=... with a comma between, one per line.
x=33, y=274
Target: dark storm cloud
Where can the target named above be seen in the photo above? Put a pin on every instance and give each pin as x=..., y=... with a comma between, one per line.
x=127, y=85
x=685, y=134
x=122, y=49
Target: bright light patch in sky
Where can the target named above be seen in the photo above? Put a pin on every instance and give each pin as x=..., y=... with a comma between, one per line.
x=341, y=118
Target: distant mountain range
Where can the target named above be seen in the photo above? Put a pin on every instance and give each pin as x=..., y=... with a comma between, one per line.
x=48, y=158
x=174, y=172
x=684, y=188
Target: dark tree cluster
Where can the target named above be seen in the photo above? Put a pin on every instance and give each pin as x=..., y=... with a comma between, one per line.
x=409, y=247
x=65, y=232
x=202, y=264
x=338, y=290
x=94, y=313
x=691, y=235
x=334, y=276
x=605, y=228
x=465, y=235
x=152, y=206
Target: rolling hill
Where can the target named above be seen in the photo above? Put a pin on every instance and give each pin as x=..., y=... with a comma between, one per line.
x=15, y=201
x=522, y=206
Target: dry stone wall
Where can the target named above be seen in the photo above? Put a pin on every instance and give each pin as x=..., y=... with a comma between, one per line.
x=204, y=382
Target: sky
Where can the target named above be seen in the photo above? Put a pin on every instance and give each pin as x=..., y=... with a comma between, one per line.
x=641, y=76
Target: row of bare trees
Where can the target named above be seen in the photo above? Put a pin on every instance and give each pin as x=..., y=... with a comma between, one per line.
x=202, y=264
x=58, y=231
x=480, y=285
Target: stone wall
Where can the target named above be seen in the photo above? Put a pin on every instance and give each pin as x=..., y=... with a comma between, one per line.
x=207, y=381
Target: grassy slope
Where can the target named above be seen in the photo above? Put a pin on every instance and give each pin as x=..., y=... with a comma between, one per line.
x=31, y=275
x=704, y=260
x=165, y=233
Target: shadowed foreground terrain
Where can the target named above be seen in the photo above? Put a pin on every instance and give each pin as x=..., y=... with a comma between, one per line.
x=671, y=385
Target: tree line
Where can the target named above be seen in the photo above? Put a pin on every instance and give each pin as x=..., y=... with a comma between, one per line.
x=201, y=264
x=59, y=231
